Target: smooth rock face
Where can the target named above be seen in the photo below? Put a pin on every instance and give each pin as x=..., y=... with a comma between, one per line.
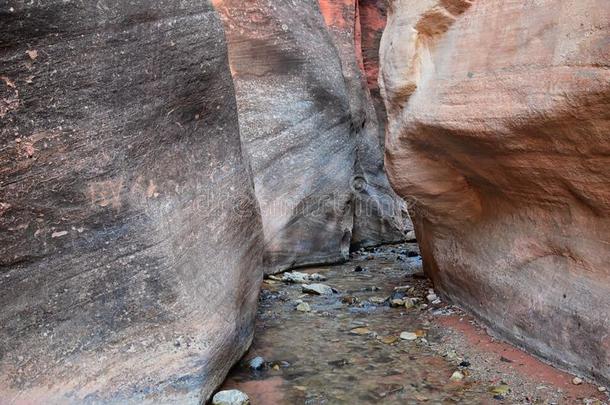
x=130, y=238
x=499, y=135
x=311, y=132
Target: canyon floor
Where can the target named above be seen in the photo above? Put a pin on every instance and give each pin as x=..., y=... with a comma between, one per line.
x=346, y=347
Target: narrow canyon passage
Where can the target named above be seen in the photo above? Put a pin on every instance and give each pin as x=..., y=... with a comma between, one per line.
x=381, y=337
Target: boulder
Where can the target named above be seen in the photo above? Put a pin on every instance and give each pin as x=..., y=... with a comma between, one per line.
x=130, y=236
x=311, y=133
x=499, y=136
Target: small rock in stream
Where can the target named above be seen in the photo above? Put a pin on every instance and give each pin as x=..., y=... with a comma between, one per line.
x=230, y=397
x=257, y=363
x=408, y=336
x=320, y=289
x=298, y=277
x=303, y=307
x=457, y=376
x=377, y=300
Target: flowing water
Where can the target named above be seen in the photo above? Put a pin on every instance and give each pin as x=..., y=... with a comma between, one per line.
x=348, y=350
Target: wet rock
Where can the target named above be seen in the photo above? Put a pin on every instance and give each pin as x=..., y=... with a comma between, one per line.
x=350, y=300
x=408, y=336
x=303, y=307
x=360, y=331
x=257, y=363
x=457, y=376
x=397, y=302
x=378, y=300
x=319, y=289
x=388, y=340
x=298, y=277
x=230, y=397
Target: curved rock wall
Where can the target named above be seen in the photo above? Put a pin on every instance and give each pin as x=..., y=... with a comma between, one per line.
x=310, y=130
x=130, y=237
x=499, y=136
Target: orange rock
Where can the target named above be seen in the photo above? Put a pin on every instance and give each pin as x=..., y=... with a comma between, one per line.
x=499, y=135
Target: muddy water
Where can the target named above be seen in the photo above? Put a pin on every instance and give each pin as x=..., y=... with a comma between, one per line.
x=347, y=350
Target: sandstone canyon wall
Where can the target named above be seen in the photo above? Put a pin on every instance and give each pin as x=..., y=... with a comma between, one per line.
x=311, y=131
x=499, y=135
x=130, y=237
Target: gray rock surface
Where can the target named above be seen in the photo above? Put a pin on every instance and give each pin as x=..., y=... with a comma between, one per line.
x=129, y=233
x=311, y=132
x=230, y=397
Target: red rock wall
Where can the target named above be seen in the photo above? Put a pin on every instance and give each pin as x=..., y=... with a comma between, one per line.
x=499, y=136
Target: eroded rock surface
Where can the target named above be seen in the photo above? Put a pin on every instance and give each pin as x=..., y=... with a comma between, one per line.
x=311, y=131
x=130, y=238
x=499, y=135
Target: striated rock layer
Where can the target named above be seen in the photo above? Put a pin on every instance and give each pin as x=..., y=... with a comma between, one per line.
x=310, y=130
x=499, y=135
x=130, y=237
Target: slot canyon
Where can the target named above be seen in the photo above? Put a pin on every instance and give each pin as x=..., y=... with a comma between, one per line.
x=304, y=202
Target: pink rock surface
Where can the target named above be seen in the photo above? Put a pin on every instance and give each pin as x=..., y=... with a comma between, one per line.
x=499, y=136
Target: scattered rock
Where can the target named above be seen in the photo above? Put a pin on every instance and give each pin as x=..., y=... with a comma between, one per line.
x=402, y=288
x=410, y=237
x=397, y=302
x=601, y=389
x=257, y=363
x=505, y=360
x=230, y=397
x=501, y=389
x=388, y=340
x=431, y=297
x=339, y=363
x=360, y=331
x=350, y=300
x=377, y=300
x=359, y=269
x=577, y=381
x=465, y=364
x=320, y=289
x=299, y=278
x=457, y=376
x=303, y=307
x=408, y=336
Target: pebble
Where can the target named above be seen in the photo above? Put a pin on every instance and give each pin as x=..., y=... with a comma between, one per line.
x=230, y=397
x=431, y=297
x=408, y=336
x=298, y=277
x=402, y=288
x=457, y=376
x=601, y=389
x=397, y=302
x=377, y=300
x=303, y=307
x=577, y=381
x=360, y=331
x=320, y=289
x=257, y=363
